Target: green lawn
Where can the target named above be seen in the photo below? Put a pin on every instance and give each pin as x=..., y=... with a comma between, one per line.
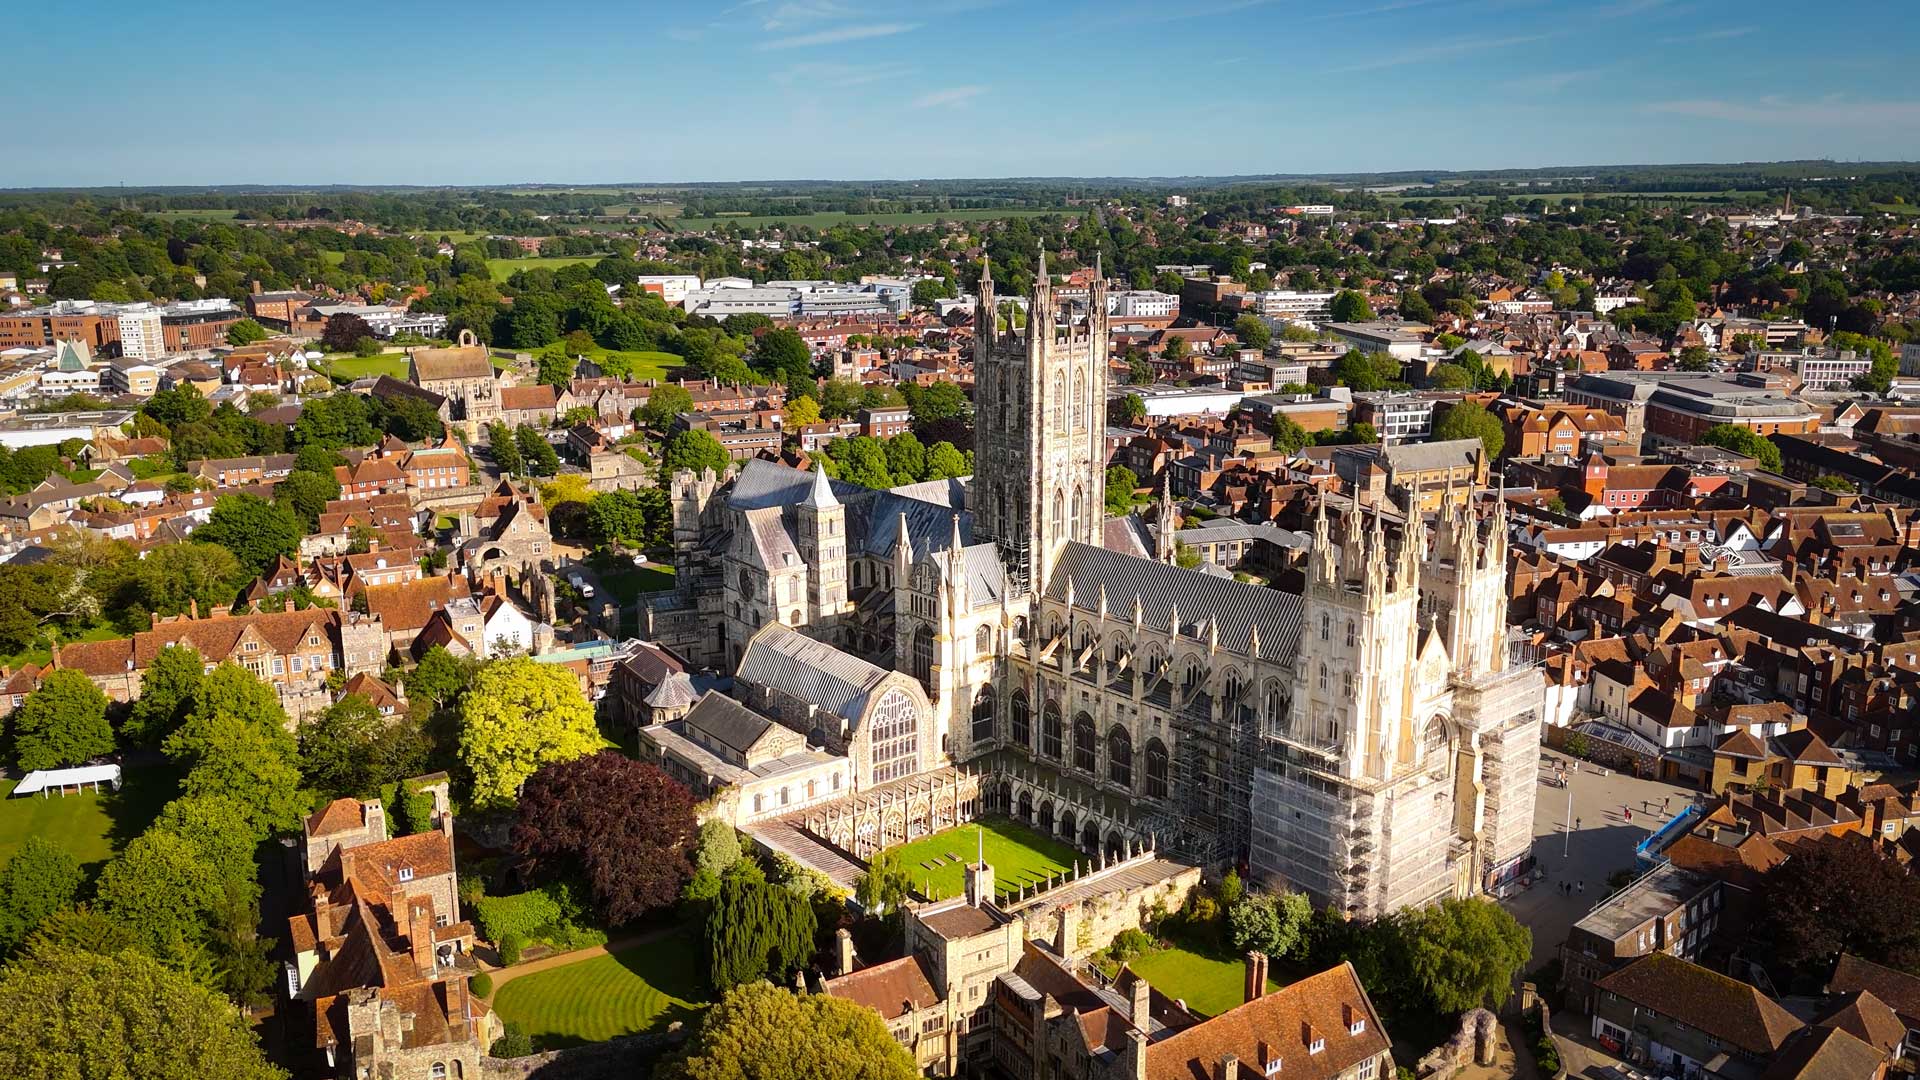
x=1019, y=856
x=633, y=990
x=626, y=581
x=830, y=218
x=90, y=826
x=644, y=363
x=1209, y=985
x=356, y=367
x=40, y=654
x=502, y=269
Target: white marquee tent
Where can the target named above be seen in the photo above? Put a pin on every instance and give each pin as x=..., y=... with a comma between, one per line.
x=41, y=781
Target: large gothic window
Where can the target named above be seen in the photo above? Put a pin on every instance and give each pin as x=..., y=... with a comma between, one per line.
x=1020, y=718
x=1120, y=757
x=1050, y=730
x=983, y=641
x=1083, y=749
x=895, y=738
x=1156, y=769
x=983, y=714
x=1055, y=406
x=923, y=657
x=1080, y=400
x=1079, y=512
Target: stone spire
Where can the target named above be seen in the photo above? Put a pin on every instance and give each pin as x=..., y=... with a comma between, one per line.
x=1320, y=556
x=1163, y=540
x=820, y=496
x=902, y=551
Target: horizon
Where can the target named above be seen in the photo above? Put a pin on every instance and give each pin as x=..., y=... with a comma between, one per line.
x=889, y=92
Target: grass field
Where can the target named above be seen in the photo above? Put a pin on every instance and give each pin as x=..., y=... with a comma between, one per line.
x=359, y=367
x=502, y=269
x=646, y=363
x=828, y=219
x=1209, y=985
x=630, y=991
x=1019, y=856
x=1521, y=195
x=90, y=826
x=198, y=215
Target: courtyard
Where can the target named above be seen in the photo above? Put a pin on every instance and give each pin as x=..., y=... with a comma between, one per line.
x=1019, y=857
x=90, y=825
x=642, y=987
x=1209, y=984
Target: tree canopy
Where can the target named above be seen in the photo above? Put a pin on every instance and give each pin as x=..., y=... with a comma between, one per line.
x=517, y=716
x=763, y=1032
x=63, y=722
x=1471, y=420
x=1838, y=895
x=1744, y=441
x=625, y=825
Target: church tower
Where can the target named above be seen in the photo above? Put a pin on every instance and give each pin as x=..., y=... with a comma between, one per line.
x=1040, y=419
x=822, y=529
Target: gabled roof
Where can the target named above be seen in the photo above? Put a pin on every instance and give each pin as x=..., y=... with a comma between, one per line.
x=1827, y=1054
x=1283, y=1025
x=1897, y=989
x=728, y=722
x=786, y=660
x=459, y=362
x=1867, y=1018
x=891, y=989
x=1719, y=1005
x=1237, y=606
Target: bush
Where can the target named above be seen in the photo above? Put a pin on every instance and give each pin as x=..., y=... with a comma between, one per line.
x=1128, y=944
x=481, y=984
x=473, y=889
x=522, y=915
x=515, y=1043
x=510, y=948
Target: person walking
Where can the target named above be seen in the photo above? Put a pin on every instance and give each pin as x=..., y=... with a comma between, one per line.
x=1576, y=824
x=1583, y=886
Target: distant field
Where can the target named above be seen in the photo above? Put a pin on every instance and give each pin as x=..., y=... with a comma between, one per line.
x=198, y=215
x=1897, y=208
x=502, y=269
x=359, y=367
x=1523, y=196
x=828, y=219
x=646, y=363
x=90, y=826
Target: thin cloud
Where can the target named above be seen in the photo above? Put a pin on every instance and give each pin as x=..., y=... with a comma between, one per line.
x=953, y=95
x=1825, y=112
x=1442, y=51
x=843, y=75
x=1721, y=34
x=1378, y=9
x=805, y=13
x=836, y=36
x=1553, y=82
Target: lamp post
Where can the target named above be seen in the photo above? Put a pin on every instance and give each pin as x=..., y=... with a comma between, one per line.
x=1566, y=847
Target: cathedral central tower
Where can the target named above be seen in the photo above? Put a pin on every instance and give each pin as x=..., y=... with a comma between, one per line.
x=1040, y=419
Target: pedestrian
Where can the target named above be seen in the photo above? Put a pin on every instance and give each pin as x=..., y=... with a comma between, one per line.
x=1629, y=815
x=1576, y=824
x=1664, y=800
x=1583, y=886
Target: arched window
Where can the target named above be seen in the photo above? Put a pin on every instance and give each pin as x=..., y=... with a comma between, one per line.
x=1233, y=686
x=1055, y=406
x=1020, y=629
x=746, y=584
x=923, y=657
x=1276, y=706
x=983, y=714
x=1080, y=400
x=1083, y=752
x=1347, y=686
x=438, y=1071
x=1351, y=638
x=1156, y=769
x=1323, y=675
x=1090, y=839
x=1066, y=824
x=1326, y=626
x=1079, y=508
x=1046, y=818
x=1193, y=676
x=1120, y=757
x=1020, y=718
x=1059, y=511
x=1434, y=740
x=793, y=617
x=1050, y=730
x=1026, y=806
x=983, y=641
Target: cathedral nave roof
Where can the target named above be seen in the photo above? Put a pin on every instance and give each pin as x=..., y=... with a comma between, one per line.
x=1236, y=605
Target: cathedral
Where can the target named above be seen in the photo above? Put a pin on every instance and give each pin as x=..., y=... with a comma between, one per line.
x=1362, y=739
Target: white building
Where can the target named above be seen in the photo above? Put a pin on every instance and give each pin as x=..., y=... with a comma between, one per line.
x=1290, y=304
x=673, y=288
x=1396, y=340
x=140, y=333
x=1143, y=304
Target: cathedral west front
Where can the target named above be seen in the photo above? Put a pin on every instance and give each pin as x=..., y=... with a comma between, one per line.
x=1363, y=739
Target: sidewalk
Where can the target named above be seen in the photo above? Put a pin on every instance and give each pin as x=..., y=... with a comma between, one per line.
x=504, y=975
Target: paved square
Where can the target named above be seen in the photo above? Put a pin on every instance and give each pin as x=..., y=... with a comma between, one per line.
x=1601, y=841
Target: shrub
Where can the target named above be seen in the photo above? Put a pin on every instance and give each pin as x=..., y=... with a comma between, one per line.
x=510, y=948
x=481, y=984
x=473, y=889
x=1128, y=944
x=521, y=914
x=515, y=1043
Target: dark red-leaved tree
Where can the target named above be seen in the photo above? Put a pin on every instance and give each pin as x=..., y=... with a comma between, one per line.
x=625, y=825
x=1838, y=894
x=344, y=329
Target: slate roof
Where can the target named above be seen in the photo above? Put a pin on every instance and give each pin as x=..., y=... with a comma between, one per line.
x=728, y=722
x=1238, y=606
x=785, y=660
x=1718, y=1005
x=458, y=362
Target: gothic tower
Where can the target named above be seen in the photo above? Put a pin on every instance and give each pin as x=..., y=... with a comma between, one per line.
x=1040, y=409
x=822, y=528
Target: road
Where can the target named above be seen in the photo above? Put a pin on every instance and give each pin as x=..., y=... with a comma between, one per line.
x=1600, y=843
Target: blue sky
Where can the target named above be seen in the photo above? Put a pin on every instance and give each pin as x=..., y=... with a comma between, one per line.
x=217, y=92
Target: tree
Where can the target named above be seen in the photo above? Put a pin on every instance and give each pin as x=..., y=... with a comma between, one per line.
x=1366, y=372
x=906, y=458
x=517, y=716
x=184, y=404
x=556, y=362
x=756, y=929
x=1121, y=484
x=246, y=760
x=1450, y=377
x=506, y=452
x=1414, y=307
x=802, y=412
x=1273, y=923
x=255, y=530
x=694, y=450
x=625, y=825
x=782, y=355
x=1289, y=436
x=337, y=748
x=343, y=331
x=336, y=422
x=411, y=419
x=536, y=452
x=1471, y=420
x=1695, y=358
x=1743, y=441
x=1132, y=408
x=161, y=888
x=1461, y=952
x=1834, y=483
x=762, y=1032
x=1833, y=896
x=885, y=885
x=213, y=825
x=1175, y=349
x=40, y=879
x=1252, y=333
x=62, y=723
x=246, y=332
x=617, y=518
x=926, y=292
x=945, y=462
x=440, y=677
x=863, y=460
x=941, y=401
x=1139, y=368
x=665, y=402
x=307, y=494
x=76, y=1013
x=1348, y=306
x=166, y=693
x=175, y=578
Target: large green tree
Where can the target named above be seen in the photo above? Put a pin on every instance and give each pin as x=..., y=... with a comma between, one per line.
x=695, y=450
x=255, y=530
x=63, y=722
x=756, y=929
x=1462, y=953
x=517, y=716
x=1743, y=440
x=1471, y=420
x=782, y=355
x=664, y=402
x=166, y=693
x=1349, y=306
x=162, y=889
x=40, y=879
x=176, y=578
x=762, y=1032
x=68, y=1014
x=1273, y=923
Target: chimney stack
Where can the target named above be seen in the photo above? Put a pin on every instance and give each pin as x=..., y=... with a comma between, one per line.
x=1228, y=1069
x=1142, y=1015
x=1256, y=969
x=843, y=949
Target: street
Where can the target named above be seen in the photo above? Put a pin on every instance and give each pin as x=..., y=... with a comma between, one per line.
x=1601, y=844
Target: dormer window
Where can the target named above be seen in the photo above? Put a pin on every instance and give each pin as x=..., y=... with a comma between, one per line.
x=406, y=873
x=1316, y=1046
x=1273, y=1067
x=1358, y=1027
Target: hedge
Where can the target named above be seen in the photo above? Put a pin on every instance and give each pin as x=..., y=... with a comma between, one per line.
x=522, y=914
x=481, y=984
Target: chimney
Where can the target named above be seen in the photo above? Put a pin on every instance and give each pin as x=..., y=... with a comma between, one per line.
x=843, y=950
x=1256, y=970
x=1142, y=1014
x=1064, y=931
x=374, y=816
x=1228, y=1069
x=420, y=933
x=193, y=608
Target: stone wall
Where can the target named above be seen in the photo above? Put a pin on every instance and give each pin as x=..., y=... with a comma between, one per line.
x=1100, y=904
x=616, y=1059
